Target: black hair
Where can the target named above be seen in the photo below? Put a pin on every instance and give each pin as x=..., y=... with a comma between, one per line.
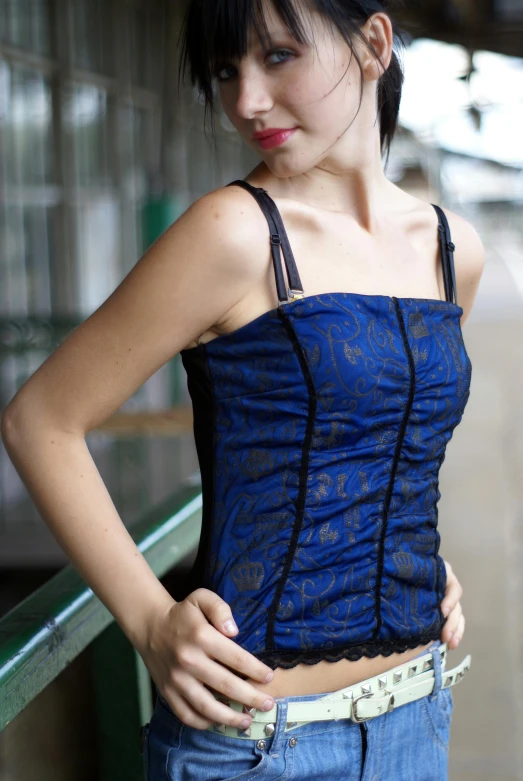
x=214, y=31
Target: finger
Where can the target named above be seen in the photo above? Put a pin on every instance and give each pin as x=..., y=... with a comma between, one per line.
x=453, y=593
x=451, y=623
x=458, y=634
x=216, y=610
x=183, y=709
x=230, y=654
x=197, y=707
x=219, y=614
x=226, y=683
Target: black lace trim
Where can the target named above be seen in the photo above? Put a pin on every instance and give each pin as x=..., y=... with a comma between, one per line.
x=287, y=659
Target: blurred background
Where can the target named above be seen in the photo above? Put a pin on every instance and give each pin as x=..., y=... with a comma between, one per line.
x=99, y=153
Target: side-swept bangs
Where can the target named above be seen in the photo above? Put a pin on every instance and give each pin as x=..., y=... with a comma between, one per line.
x=216, y=31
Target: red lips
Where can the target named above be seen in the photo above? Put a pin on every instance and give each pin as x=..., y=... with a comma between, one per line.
x=273, y=137
x=272, y=131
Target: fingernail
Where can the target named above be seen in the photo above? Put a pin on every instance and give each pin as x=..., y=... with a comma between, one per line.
x=269, y=677
x=230, y=626
x=245, y=723
x=268, y=704
x=446, y=610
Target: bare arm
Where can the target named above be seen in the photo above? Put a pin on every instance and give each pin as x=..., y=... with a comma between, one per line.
x=193, y=274
x=469, y=261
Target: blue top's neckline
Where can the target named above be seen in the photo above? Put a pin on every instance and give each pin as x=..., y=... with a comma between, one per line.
x=287, y=304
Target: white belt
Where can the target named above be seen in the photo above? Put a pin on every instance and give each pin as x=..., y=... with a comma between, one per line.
x=362, y=701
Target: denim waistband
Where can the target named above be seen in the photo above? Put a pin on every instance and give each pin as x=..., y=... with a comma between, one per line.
x=284, y=702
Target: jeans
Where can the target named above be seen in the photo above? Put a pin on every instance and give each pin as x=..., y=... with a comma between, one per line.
x=409, y=743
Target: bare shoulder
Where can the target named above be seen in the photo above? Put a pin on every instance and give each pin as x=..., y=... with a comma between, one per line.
x=231, y=224
x=469, y=260
x=232, y=234
x=235, y=209
x=227, y=218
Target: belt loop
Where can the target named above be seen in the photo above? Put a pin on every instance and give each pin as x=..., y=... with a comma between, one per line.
x=281, y=722
x=436, y=661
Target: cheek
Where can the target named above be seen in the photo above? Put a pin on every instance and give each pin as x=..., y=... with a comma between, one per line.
x=229, y=118
x=303, y=100
x=293, y=95
x=318, y=99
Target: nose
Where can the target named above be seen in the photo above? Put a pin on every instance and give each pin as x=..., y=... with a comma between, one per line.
x=253, y=96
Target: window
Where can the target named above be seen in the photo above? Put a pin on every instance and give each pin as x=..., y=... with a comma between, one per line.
x=94, y=47
x=25, y=24
x=86, y=123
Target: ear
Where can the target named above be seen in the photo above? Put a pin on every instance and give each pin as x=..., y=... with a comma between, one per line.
x=380, y=35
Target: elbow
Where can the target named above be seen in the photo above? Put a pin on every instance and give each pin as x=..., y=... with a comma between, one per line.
x=24, y=422
x=11, y=423
x=19, y=418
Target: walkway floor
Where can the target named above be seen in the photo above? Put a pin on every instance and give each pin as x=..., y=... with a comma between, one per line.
x=481, y=523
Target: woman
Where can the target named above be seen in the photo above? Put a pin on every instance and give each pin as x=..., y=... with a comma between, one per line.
x=321, y=420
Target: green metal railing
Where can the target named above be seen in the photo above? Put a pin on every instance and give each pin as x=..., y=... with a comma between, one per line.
x=45, y=632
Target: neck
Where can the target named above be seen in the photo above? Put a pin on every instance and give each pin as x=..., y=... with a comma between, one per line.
x=360, y=190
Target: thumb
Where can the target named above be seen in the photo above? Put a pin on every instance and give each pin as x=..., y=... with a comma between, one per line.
x=216, y=610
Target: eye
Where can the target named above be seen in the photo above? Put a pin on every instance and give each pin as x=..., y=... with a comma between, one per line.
x=219, y=70
x=274, y=53
x=285, y=52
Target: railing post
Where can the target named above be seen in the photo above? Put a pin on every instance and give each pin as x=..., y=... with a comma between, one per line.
x=123, y=703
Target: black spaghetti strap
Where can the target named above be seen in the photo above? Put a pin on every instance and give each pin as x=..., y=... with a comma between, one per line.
x=276, y=255
x=447, y=248
x=278, y=239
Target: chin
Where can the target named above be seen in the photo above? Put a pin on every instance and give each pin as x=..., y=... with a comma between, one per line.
x=287, y=165
x=285, y=169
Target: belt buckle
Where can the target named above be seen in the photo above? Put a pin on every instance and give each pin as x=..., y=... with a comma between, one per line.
x=358, y=719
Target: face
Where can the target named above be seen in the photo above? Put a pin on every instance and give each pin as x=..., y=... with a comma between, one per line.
x=308, y=92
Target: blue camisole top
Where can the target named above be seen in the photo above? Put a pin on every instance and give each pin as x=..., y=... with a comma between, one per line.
x=320, y=428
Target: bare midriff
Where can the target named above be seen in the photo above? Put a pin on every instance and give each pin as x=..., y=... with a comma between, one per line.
x=329, y=676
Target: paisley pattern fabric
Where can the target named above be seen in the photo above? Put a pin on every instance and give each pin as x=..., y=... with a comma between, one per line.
x=321, y=427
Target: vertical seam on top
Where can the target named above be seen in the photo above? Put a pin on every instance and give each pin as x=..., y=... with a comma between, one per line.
x=399, y=445
x=303, y=474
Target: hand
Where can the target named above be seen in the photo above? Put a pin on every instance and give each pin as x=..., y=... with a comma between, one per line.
x=187, y=650
x=455, y=625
